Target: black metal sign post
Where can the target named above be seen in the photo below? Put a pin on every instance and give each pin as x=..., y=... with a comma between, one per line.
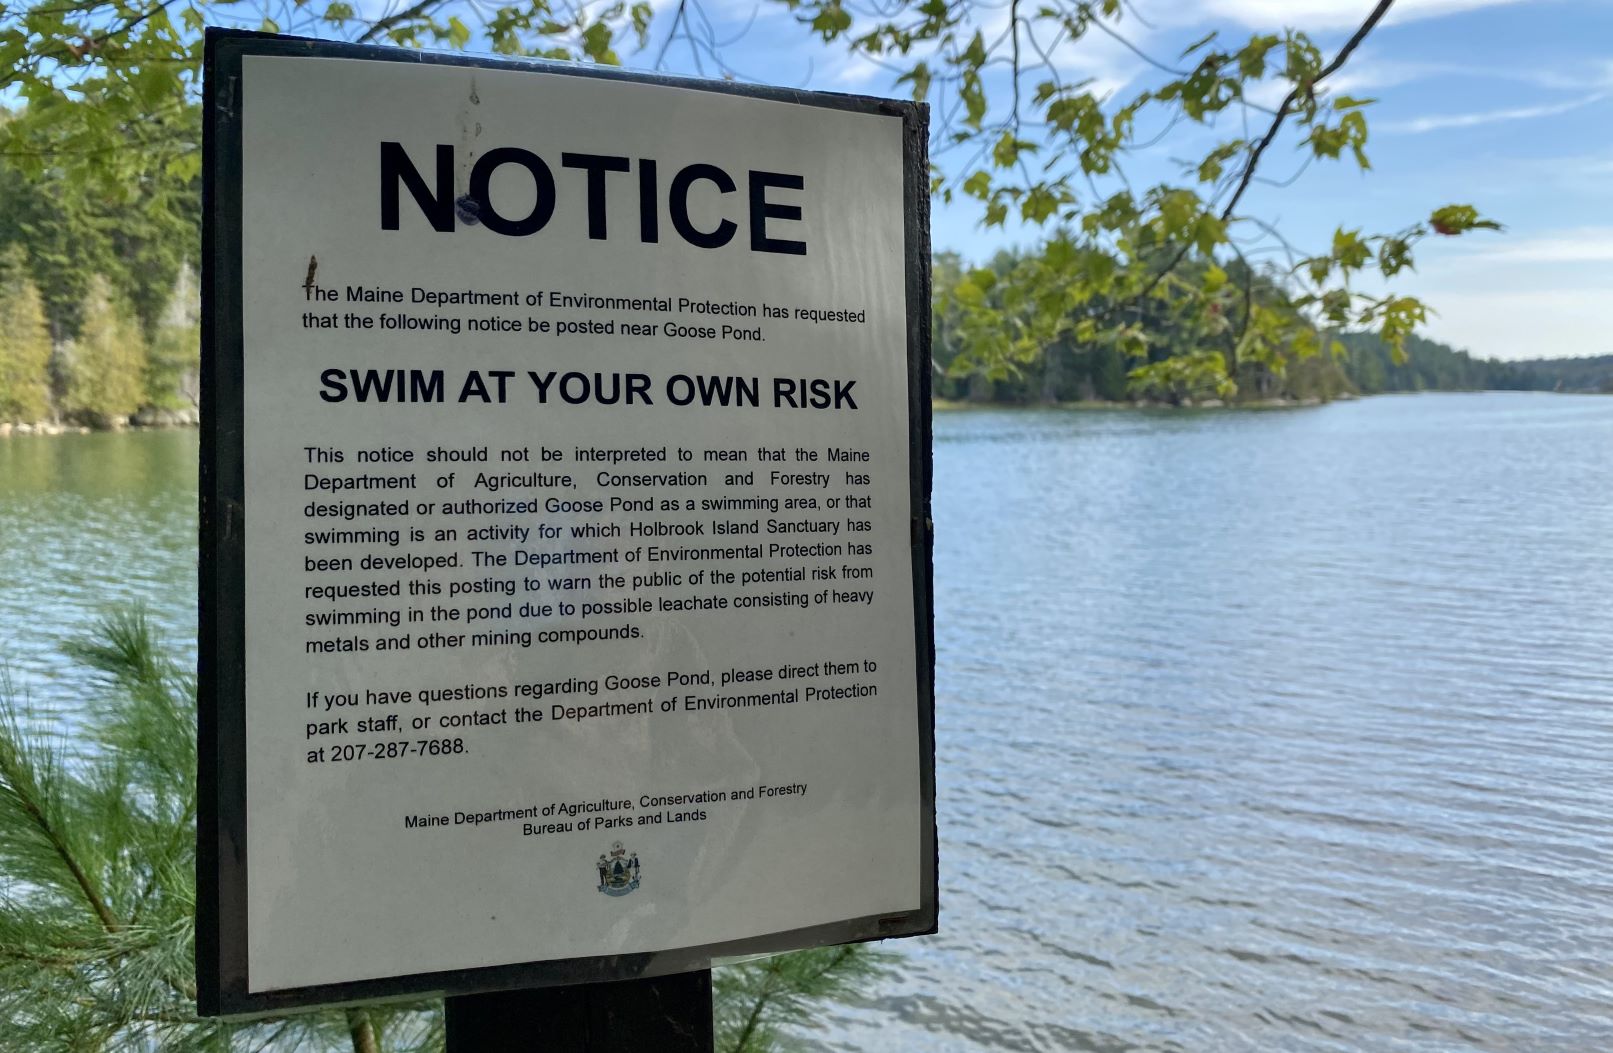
x=669, y=1014
x=591, y=999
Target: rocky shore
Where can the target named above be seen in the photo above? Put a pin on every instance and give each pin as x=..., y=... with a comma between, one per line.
x=146, y=418
x=1099, y=404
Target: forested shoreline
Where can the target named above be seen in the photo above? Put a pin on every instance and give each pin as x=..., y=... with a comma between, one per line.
x=1333, y=365
x=99, y=325
x=99, y=300
x=1098, y=376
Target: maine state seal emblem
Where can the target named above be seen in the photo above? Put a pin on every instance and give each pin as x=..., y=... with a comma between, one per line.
x=618, y=870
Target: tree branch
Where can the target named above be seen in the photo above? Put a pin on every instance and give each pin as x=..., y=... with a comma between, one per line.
x=408, y=14
x=1293, y=96
x=1259, y=149
x=36, y=815
x=97, y=41
x=672, y=33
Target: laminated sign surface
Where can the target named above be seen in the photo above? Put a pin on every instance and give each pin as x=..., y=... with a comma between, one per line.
x=565, y=524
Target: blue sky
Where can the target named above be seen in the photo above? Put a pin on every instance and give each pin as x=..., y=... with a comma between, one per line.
x=1506, y=105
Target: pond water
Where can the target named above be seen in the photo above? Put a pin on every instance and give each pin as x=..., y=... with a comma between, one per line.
x=89, y=523
x=1256, y=730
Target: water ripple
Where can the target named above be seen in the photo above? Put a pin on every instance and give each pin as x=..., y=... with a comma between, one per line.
x=1255, y=731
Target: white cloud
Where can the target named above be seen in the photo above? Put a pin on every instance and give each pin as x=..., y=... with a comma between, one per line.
x=851, y=70
x=1320, y=14
x=1527, y=323
x=1103, y=63
x=1269, y=93
x=1371, y=74
x=1469, y=120
x=1545, y=295
x=1368, y=76
x=1592, y=244
x=1601, y=76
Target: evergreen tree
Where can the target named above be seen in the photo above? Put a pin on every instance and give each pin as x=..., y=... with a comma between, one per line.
x=24, y=343
x=171, y=379
x=104, y=370
x=97, y=877
x=66, y=242
x=757, y=1005
x=137, y=232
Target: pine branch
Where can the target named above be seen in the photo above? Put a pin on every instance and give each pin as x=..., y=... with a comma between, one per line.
x=756, y=999
x=742, y=1041
x=113, y=830
x=20, y=785
x=44, y=961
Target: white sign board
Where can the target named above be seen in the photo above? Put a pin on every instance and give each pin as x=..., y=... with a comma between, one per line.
x=567, y=584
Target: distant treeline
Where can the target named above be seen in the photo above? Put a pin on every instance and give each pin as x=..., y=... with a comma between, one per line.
x=1592, y=374
x=1068, y=374
x=99, y=307
x=1432, y=366
x=1069, y=371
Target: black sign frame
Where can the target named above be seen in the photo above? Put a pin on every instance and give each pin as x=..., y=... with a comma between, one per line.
x=221, y=864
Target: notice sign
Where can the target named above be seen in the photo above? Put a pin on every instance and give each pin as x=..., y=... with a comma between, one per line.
x=565, y=524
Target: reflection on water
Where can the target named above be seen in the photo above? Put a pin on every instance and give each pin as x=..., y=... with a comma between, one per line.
x=1257, y=731
x=89, y=522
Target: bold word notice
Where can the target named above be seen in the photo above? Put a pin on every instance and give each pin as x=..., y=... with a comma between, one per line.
x=579, y=593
